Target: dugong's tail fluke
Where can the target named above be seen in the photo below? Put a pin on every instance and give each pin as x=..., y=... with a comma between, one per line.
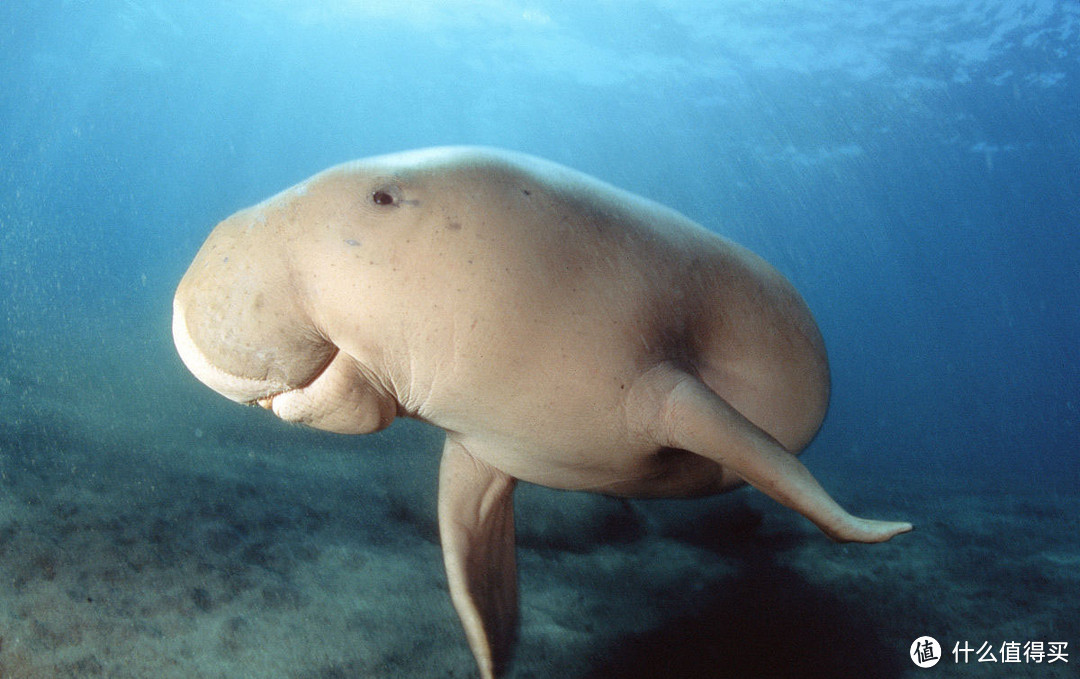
x=476, y=525
x=696, y=419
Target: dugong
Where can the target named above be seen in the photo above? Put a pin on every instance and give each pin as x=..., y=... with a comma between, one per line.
x=561, y=331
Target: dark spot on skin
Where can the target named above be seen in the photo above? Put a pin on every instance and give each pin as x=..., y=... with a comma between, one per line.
x=454, y=226
x=526, y=192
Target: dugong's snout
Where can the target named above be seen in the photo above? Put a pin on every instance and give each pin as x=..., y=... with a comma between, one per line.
x=241, y=326
x=332, y=395
x=234, y=387
x=239, y=323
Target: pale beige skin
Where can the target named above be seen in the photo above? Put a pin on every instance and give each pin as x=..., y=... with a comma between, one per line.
x=561, y=331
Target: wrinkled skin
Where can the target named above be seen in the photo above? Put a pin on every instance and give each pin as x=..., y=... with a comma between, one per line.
x=561, y=331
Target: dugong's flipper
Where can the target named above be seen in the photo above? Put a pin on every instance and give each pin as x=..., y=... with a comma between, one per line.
x=476, y=524
x=693, y=417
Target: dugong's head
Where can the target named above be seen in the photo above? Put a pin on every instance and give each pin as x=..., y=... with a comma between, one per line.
x=257, y=316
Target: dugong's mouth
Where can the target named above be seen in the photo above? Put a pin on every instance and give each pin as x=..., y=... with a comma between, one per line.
x=268, y=401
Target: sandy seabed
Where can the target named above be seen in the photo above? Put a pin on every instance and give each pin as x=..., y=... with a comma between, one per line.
x=150, y=532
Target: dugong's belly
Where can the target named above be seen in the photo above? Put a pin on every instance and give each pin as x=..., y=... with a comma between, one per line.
x=562, y=414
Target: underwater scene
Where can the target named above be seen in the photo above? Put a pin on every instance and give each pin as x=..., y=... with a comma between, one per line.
x=598, y=366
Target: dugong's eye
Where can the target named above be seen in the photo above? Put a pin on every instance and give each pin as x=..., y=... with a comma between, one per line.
x=384, y=196
x=388, y=195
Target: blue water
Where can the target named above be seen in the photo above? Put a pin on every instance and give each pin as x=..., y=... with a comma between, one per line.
x=912, y=166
